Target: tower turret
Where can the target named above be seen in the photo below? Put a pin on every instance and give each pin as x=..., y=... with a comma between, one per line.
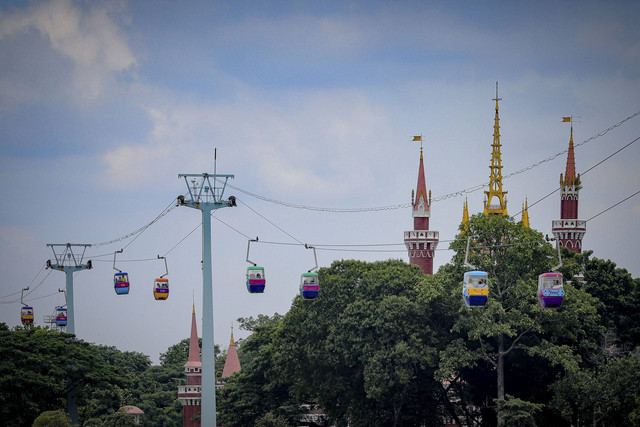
x=495, y=202
x=421, y=242
x=569, y=230
x=190, y=395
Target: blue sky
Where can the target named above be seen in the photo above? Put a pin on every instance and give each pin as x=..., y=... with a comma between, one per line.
x=103, y=104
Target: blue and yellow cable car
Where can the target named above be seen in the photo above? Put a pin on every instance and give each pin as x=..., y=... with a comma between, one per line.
x=475, y=289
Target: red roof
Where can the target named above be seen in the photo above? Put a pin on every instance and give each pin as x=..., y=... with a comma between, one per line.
x=232, y=363
x=194, y=348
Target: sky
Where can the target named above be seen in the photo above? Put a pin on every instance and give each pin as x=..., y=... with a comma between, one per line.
x=308, y=105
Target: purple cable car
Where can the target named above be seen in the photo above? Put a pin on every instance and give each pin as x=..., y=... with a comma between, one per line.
x=121, y=283
x=61, y=316
x=550, y=290
x=255, y=279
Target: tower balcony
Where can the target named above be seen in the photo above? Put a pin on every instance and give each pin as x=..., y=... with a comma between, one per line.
x=418, y=239
x=569, y=226
x=189, y=393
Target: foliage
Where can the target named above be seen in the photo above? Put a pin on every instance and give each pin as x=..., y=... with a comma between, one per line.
x=56, y=418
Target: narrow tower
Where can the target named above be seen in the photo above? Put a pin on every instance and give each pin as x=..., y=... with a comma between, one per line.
x=495, y=202
x=569, y=230
x=190, y=395
x=421, y=242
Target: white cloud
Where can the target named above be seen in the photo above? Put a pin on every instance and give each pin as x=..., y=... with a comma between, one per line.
x=90, y=38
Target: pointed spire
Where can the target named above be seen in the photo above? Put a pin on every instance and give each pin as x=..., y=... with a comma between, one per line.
x=465, y=215
x=570, y=172
x=194, y=347
x=492, y=207
x=525, y=213
x=421, y=202
x=232, y=362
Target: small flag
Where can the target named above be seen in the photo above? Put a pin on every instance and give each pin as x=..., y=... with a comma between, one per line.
x=566, y=119
x=417, y=138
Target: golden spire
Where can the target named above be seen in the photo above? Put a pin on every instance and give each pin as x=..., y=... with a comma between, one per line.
x=465, y=215
x=495, y=178
x=232, y=341
x=525, y=213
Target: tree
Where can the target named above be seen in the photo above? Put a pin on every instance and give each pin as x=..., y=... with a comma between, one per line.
x=511, y=326
x=56, y=418
x=363, y=349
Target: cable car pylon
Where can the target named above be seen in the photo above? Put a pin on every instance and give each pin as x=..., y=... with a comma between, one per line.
x=70, y=262
x=205, y=194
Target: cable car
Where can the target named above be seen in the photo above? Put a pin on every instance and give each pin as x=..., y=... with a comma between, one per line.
x=550, y=290
x=121, y=283
x=120, y=279
x=475, y=289
x=161, y=288
x=26, y=315
x=309, y=285
x=61, y=316
x=475, y=284
x=256, y=280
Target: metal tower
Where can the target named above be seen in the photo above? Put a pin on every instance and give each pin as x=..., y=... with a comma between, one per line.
x=495, y=178
x=205, y=193
x=69, y=262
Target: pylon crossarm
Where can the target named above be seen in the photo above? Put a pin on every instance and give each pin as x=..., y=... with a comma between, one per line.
x=67, y=257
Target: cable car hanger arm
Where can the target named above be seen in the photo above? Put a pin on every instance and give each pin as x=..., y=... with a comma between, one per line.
x=165, y=266
x=114, y=260
x=249, y=245
x=466, y=255
x=314, y=256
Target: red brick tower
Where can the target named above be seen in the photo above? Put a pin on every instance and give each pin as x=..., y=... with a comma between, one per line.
x=421, y=242
x=569, y=230
x=190, y=395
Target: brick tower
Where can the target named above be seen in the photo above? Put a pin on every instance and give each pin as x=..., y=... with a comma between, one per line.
x=190, y=395
x=569, y=230
x=421, y=242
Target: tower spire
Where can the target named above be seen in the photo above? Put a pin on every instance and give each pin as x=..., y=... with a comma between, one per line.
x=569, y=230
x=495, y=199
x=232, y=362
x=190, y=395
x=525, y=213
x=421, y=242
x=465, y=215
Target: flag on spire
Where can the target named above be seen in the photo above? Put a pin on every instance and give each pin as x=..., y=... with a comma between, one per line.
x=566, y=119
x=417, y=138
